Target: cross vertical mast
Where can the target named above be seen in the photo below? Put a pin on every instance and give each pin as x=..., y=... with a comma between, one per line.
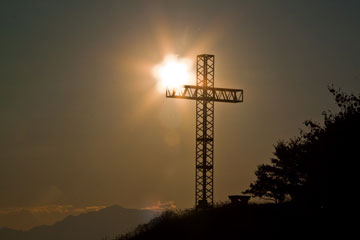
x=204, y=132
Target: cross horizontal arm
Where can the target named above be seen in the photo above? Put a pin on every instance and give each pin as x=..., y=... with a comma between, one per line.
x=206, y=94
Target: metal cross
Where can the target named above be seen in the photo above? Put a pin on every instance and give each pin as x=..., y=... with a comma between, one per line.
x=205, y=95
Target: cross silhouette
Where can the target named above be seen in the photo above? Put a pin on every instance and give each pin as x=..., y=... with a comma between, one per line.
x=205, y=95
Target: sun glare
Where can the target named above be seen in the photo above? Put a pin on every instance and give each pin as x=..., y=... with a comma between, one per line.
x=172, y=72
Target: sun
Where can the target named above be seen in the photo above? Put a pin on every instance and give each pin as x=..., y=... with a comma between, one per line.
x=172, y=72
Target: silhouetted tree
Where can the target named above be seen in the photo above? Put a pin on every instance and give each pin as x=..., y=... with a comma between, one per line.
x=283, y=176
x=300, y=167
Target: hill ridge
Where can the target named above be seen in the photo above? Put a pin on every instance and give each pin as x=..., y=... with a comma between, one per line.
x=110, y=221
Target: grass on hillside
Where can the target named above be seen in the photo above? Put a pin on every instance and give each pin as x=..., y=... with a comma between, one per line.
x=226, y=221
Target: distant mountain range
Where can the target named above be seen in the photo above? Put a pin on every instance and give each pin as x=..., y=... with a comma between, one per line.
x=108, y=222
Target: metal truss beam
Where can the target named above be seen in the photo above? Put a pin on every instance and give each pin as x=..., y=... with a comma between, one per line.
x=212, y=94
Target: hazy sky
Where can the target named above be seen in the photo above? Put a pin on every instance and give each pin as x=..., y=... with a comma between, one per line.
x=82, y=123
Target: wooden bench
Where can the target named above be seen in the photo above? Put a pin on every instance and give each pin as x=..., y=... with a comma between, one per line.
x=239, y=199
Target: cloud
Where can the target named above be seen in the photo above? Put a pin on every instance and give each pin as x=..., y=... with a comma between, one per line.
x=49, y=209
x=159, y=206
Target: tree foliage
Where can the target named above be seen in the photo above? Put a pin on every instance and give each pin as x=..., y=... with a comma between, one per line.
x=300, y=167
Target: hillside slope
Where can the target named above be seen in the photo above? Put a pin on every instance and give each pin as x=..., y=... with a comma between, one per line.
x=266, y=221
